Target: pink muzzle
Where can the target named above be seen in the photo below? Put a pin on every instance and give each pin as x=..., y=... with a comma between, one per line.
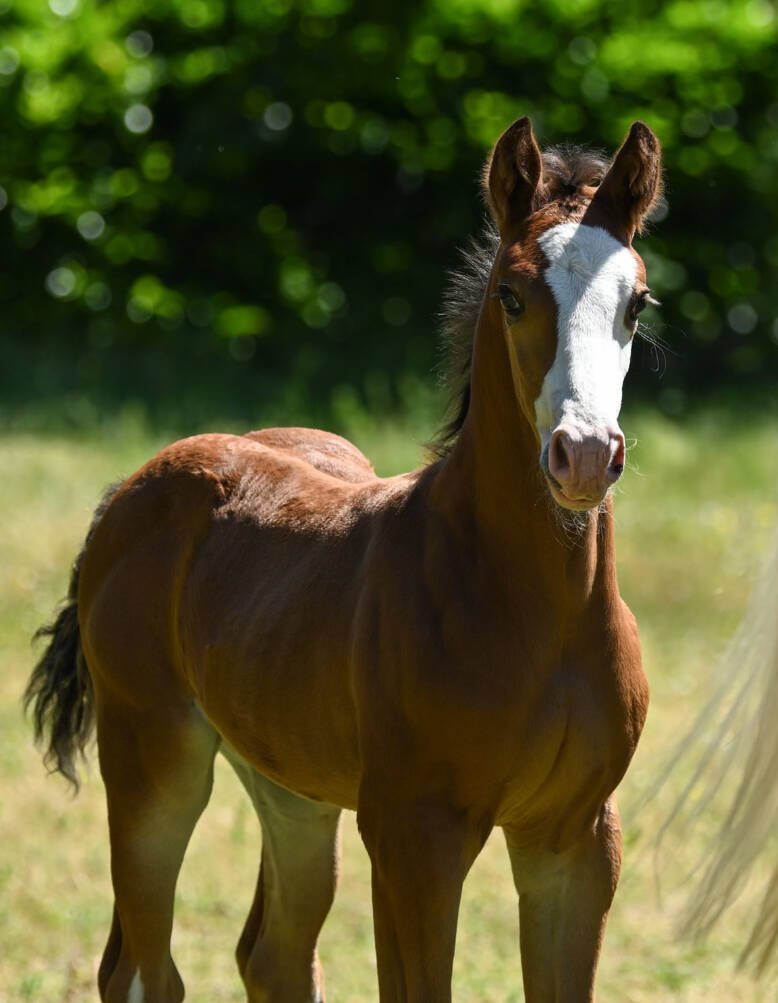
x=585, y=464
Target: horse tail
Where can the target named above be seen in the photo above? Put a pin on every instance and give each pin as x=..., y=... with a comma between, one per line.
x=734, y=745
x=60, y=688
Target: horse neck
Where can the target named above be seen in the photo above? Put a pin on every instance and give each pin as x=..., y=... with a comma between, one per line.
x=491, y=487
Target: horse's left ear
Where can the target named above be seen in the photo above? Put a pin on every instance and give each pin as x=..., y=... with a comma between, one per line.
x=634, y=182
x=513, y=176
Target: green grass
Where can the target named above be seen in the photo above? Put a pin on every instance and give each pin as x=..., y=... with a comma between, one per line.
x=695, y=514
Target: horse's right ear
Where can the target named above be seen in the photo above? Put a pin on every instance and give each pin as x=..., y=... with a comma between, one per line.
x=513, y=176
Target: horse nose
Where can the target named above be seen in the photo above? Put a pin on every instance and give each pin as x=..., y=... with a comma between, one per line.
x=585, y=464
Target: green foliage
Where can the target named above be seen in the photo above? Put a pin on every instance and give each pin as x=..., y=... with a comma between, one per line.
x=256, y=201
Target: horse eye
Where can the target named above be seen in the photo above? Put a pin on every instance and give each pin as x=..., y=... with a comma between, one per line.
x=511, y=304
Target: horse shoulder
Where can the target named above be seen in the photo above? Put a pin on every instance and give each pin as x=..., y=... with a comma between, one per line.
x=452, y=675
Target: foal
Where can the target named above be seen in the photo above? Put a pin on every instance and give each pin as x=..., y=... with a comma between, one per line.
x=443, y=651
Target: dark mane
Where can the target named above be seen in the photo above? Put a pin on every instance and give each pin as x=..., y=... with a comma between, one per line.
x=566, y=169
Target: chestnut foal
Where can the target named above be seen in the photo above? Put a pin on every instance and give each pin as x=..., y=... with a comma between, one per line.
x=444, y=651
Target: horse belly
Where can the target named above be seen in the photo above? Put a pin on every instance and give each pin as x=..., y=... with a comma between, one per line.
x=265, y=634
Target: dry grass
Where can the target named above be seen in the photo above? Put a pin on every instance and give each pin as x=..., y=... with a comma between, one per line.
x=692, y=526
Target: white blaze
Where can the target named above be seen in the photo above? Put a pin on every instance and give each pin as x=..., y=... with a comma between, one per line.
x=592, y=278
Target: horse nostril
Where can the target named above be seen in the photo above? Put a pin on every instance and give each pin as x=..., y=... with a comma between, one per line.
x=559, y=460
x=618, y=451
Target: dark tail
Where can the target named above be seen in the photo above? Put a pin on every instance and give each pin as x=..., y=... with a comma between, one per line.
x=60, y=688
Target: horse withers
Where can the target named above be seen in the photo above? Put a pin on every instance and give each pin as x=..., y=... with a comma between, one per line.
x=444, y=651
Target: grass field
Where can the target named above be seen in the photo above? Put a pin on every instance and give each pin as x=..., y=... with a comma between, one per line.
x=695, y=513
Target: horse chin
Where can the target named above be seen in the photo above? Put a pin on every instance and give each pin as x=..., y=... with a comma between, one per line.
x=572, y=504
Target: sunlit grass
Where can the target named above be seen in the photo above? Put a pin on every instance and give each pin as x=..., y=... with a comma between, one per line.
x=694, y=514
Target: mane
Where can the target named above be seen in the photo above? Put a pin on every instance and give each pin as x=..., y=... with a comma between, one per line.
x=566, y=170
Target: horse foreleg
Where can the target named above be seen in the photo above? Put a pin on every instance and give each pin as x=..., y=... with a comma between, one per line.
x=158, y=771
x=297, y=879
x=420, y=854
x=563, y=905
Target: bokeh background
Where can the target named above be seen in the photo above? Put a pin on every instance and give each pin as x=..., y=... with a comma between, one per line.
x=219, y=214
x=217, y=208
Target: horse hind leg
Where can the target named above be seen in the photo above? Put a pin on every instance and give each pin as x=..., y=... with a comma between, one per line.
x=276, y=953
x=158, y=773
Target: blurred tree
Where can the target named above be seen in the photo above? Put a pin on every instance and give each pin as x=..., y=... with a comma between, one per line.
x=229, y=204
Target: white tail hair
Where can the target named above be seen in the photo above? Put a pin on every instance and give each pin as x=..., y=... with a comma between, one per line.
x=736, y=736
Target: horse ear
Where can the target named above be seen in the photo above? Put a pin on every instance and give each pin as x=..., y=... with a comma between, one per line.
x=513, y=175
x=631, y=187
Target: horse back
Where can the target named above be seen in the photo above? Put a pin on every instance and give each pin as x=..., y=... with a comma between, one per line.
x=327, y=452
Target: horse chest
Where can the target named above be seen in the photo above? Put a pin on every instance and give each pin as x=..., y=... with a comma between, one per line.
x=517, y=720
x=573, y=743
